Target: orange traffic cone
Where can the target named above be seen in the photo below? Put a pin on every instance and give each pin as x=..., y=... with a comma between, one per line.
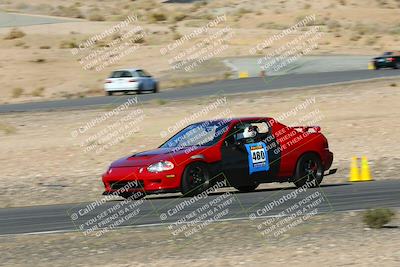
x=365, y=171
x=354, y=172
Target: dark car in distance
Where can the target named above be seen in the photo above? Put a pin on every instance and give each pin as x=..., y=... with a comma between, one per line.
x=389, y=59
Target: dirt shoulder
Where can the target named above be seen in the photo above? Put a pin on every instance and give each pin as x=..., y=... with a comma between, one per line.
x=336, y=239
x=58, y=157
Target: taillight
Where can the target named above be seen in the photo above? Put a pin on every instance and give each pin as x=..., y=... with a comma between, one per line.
x=390, y=59
x=132, y=80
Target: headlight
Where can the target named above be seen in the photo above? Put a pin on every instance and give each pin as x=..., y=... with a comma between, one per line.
x=161, y=166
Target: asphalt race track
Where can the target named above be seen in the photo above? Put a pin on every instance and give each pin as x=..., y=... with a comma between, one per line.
x=220, y=87
x=336, y=197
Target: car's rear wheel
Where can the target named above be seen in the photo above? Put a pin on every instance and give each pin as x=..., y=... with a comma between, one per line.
x=109, y=93
x=195, y=179
x=397, y=65
x=309, y=170
x=247, y=188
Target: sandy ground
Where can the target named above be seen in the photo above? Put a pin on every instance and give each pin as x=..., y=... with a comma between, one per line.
x=339, y=239
x=54, y=157
x=43, y=67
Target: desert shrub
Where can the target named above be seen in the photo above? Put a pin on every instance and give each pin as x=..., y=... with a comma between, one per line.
x=38, y=91
x=72, y=11
x=333, y=25
x=15, y=33
x=139, y=39
x=355, y=37
x=272, y=25
x=17, y=92
x=363, y=29
x=20, y=43
x=96, y=17
x=382, y=3
x=371, y=40
x=242, y=11
x=39, y=60
x=227, y=75
x=207, y=16
x=68, y=44
x=377, y=218
x=176, y=36
x=45, y=47
x=156, y=16
x=178, y=17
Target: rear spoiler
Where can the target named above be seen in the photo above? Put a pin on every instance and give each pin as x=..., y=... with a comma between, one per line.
x=311, y=129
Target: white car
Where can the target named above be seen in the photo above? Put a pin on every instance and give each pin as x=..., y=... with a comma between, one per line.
x=129, y=80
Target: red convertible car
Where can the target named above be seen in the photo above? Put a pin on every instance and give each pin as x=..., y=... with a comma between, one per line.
x=243, y=152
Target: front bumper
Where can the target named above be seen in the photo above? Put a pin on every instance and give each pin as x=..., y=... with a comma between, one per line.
x=134, y=179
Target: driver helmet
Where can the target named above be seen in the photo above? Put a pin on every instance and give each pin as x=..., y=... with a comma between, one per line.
x=250, y=131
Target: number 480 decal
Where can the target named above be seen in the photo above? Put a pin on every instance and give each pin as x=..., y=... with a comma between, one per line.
x=258, y=157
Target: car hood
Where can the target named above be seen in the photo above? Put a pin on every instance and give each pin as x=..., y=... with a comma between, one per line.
x=152, y=156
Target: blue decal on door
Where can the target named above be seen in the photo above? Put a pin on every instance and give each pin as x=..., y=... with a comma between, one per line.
x=258, y=157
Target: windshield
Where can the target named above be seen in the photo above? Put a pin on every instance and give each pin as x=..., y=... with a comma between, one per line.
x=205, y=133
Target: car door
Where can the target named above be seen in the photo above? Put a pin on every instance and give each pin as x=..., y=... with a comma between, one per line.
x=248, y=161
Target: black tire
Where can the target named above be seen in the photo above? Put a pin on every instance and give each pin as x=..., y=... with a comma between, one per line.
x=140, y=89
x=109, y=93
x=397, y=65
x=195, y=179
x=155, y=88
x=247, y=188
x=309, y=169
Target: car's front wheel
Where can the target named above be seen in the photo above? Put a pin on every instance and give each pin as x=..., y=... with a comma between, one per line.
x=155, y=88
x=309, y=170
x=109, y=93
x=195, y=179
